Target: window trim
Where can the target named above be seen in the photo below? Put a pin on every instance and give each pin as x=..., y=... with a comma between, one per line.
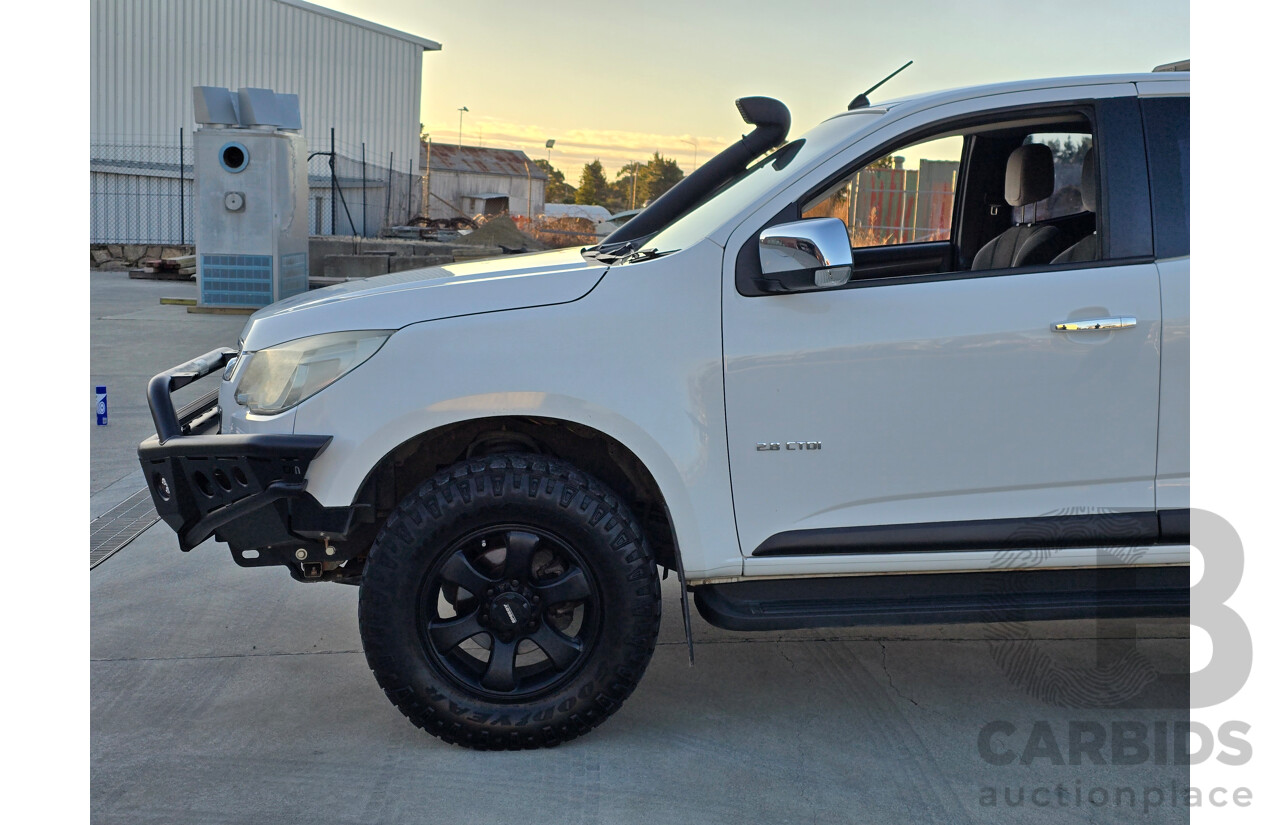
x=1172, y=238
x=1124, y=197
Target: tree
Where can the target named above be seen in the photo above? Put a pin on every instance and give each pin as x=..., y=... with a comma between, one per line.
x=1068, y=151
x=627, y=192
x=593, y=188
x=659, y=175
x=557, y=190
x=637, y=184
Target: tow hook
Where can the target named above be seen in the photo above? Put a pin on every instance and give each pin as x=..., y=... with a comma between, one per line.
x=312, y=569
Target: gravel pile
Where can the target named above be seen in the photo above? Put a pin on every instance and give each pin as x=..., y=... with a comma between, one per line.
x=500, y=231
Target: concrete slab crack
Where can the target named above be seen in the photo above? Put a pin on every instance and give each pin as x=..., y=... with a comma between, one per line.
x=263, y=654
x=884, y=665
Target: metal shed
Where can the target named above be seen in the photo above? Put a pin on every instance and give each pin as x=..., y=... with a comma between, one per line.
x=358, y=78
x=472, y=180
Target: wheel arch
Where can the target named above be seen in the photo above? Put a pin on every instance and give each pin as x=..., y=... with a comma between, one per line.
x=589, y=449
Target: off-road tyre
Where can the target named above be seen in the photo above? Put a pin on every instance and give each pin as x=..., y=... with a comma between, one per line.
x=415, y=566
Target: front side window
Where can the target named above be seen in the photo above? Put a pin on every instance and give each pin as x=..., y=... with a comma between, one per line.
x=906, y=196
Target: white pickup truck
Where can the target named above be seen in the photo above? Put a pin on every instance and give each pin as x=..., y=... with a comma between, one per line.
x=926, y=363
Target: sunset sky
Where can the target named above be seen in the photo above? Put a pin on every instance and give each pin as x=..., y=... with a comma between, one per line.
x=618, y=81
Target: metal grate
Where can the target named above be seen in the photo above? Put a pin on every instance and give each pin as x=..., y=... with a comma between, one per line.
x=235, y=280
x=120, y=525
x=293, y=275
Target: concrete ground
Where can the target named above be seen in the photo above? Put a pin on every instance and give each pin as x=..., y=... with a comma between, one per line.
x=229, y=695
x=132, y=336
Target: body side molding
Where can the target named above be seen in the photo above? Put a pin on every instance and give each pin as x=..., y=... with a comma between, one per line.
x=1080, y=530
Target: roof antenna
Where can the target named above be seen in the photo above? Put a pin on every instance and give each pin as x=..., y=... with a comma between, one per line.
x=861, y=100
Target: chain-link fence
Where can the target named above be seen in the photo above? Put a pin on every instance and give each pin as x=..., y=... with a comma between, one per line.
x=140, y=193
x=143, y=192
x=358, y=194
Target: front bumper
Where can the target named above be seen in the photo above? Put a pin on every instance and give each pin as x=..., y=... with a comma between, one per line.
x=248, y=490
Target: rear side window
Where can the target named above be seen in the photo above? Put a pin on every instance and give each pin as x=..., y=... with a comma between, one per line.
x=1069, y=149
x=1167, y=124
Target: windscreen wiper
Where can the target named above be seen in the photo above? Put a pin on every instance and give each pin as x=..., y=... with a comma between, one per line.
x=647, y=254
x=611, y=253
x=623, y=253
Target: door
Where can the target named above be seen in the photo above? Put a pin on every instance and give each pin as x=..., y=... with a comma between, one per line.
x=927, y=404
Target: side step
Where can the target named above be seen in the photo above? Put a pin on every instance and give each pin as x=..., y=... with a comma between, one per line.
x=946, y=598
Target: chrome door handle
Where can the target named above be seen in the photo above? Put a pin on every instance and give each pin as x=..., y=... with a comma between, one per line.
x=1096, y=324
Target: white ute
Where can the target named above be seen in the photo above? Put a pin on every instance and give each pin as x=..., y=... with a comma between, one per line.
x=926, y=363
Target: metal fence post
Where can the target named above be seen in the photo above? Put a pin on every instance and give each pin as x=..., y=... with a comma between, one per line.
x=333, y=187
x=364, y=197
x=182, y=189
x=386, y=216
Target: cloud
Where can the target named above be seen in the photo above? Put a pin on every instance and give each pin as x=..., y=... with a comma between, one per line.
x=576, y=147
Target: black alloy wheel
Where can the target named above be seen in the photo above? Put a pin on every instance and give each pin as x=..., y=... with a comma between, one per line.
x=510, y=612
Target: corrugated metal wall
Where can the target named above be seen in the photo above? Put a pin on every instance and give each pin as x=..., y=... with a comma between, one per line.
x=449, y=187
x=138, y=209
x=147, y=54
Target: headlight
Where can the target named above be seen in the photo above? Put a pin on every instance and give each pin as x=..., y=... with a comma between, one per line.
x=281, y=377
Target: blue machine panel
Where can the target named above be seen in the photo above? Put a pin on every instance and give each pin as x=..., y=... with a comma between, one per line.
x=237, y=280
x=293, y=274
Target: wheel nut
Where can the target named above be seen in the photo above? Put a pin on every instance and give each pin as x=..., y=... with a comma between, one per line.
x=489, y=592
x=515, y=582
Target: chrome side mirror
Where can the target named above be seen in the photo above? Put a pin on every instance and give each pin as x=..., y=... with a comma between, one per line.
x=806, y=254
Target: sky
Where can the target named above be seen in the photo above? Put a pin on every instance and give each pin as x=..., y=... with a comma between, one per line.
x=619, y=81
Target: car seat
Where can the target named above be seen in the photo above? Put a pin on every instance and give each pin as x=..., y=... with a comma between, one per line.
x=1028, y=178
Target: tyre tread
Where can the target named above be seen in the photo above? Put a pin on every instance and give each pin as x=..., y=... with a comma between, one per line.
x=498, y=477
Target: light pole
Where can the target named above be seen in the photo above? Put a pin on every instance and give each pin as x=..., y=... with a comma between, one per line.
x=694, y=144
x=460, y=111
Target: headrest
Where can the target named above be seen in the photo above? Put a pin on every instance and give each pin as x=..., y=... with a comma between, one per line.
x=1089, y=182
x=1028, y=177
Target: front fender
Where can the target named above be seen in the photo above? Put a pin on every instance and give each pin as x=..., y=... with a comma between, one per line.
x=598, y=362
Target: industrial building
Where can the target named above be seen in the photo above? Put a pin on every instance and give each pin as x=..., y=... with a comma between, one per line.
x=472, y=180
x=359, y=86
